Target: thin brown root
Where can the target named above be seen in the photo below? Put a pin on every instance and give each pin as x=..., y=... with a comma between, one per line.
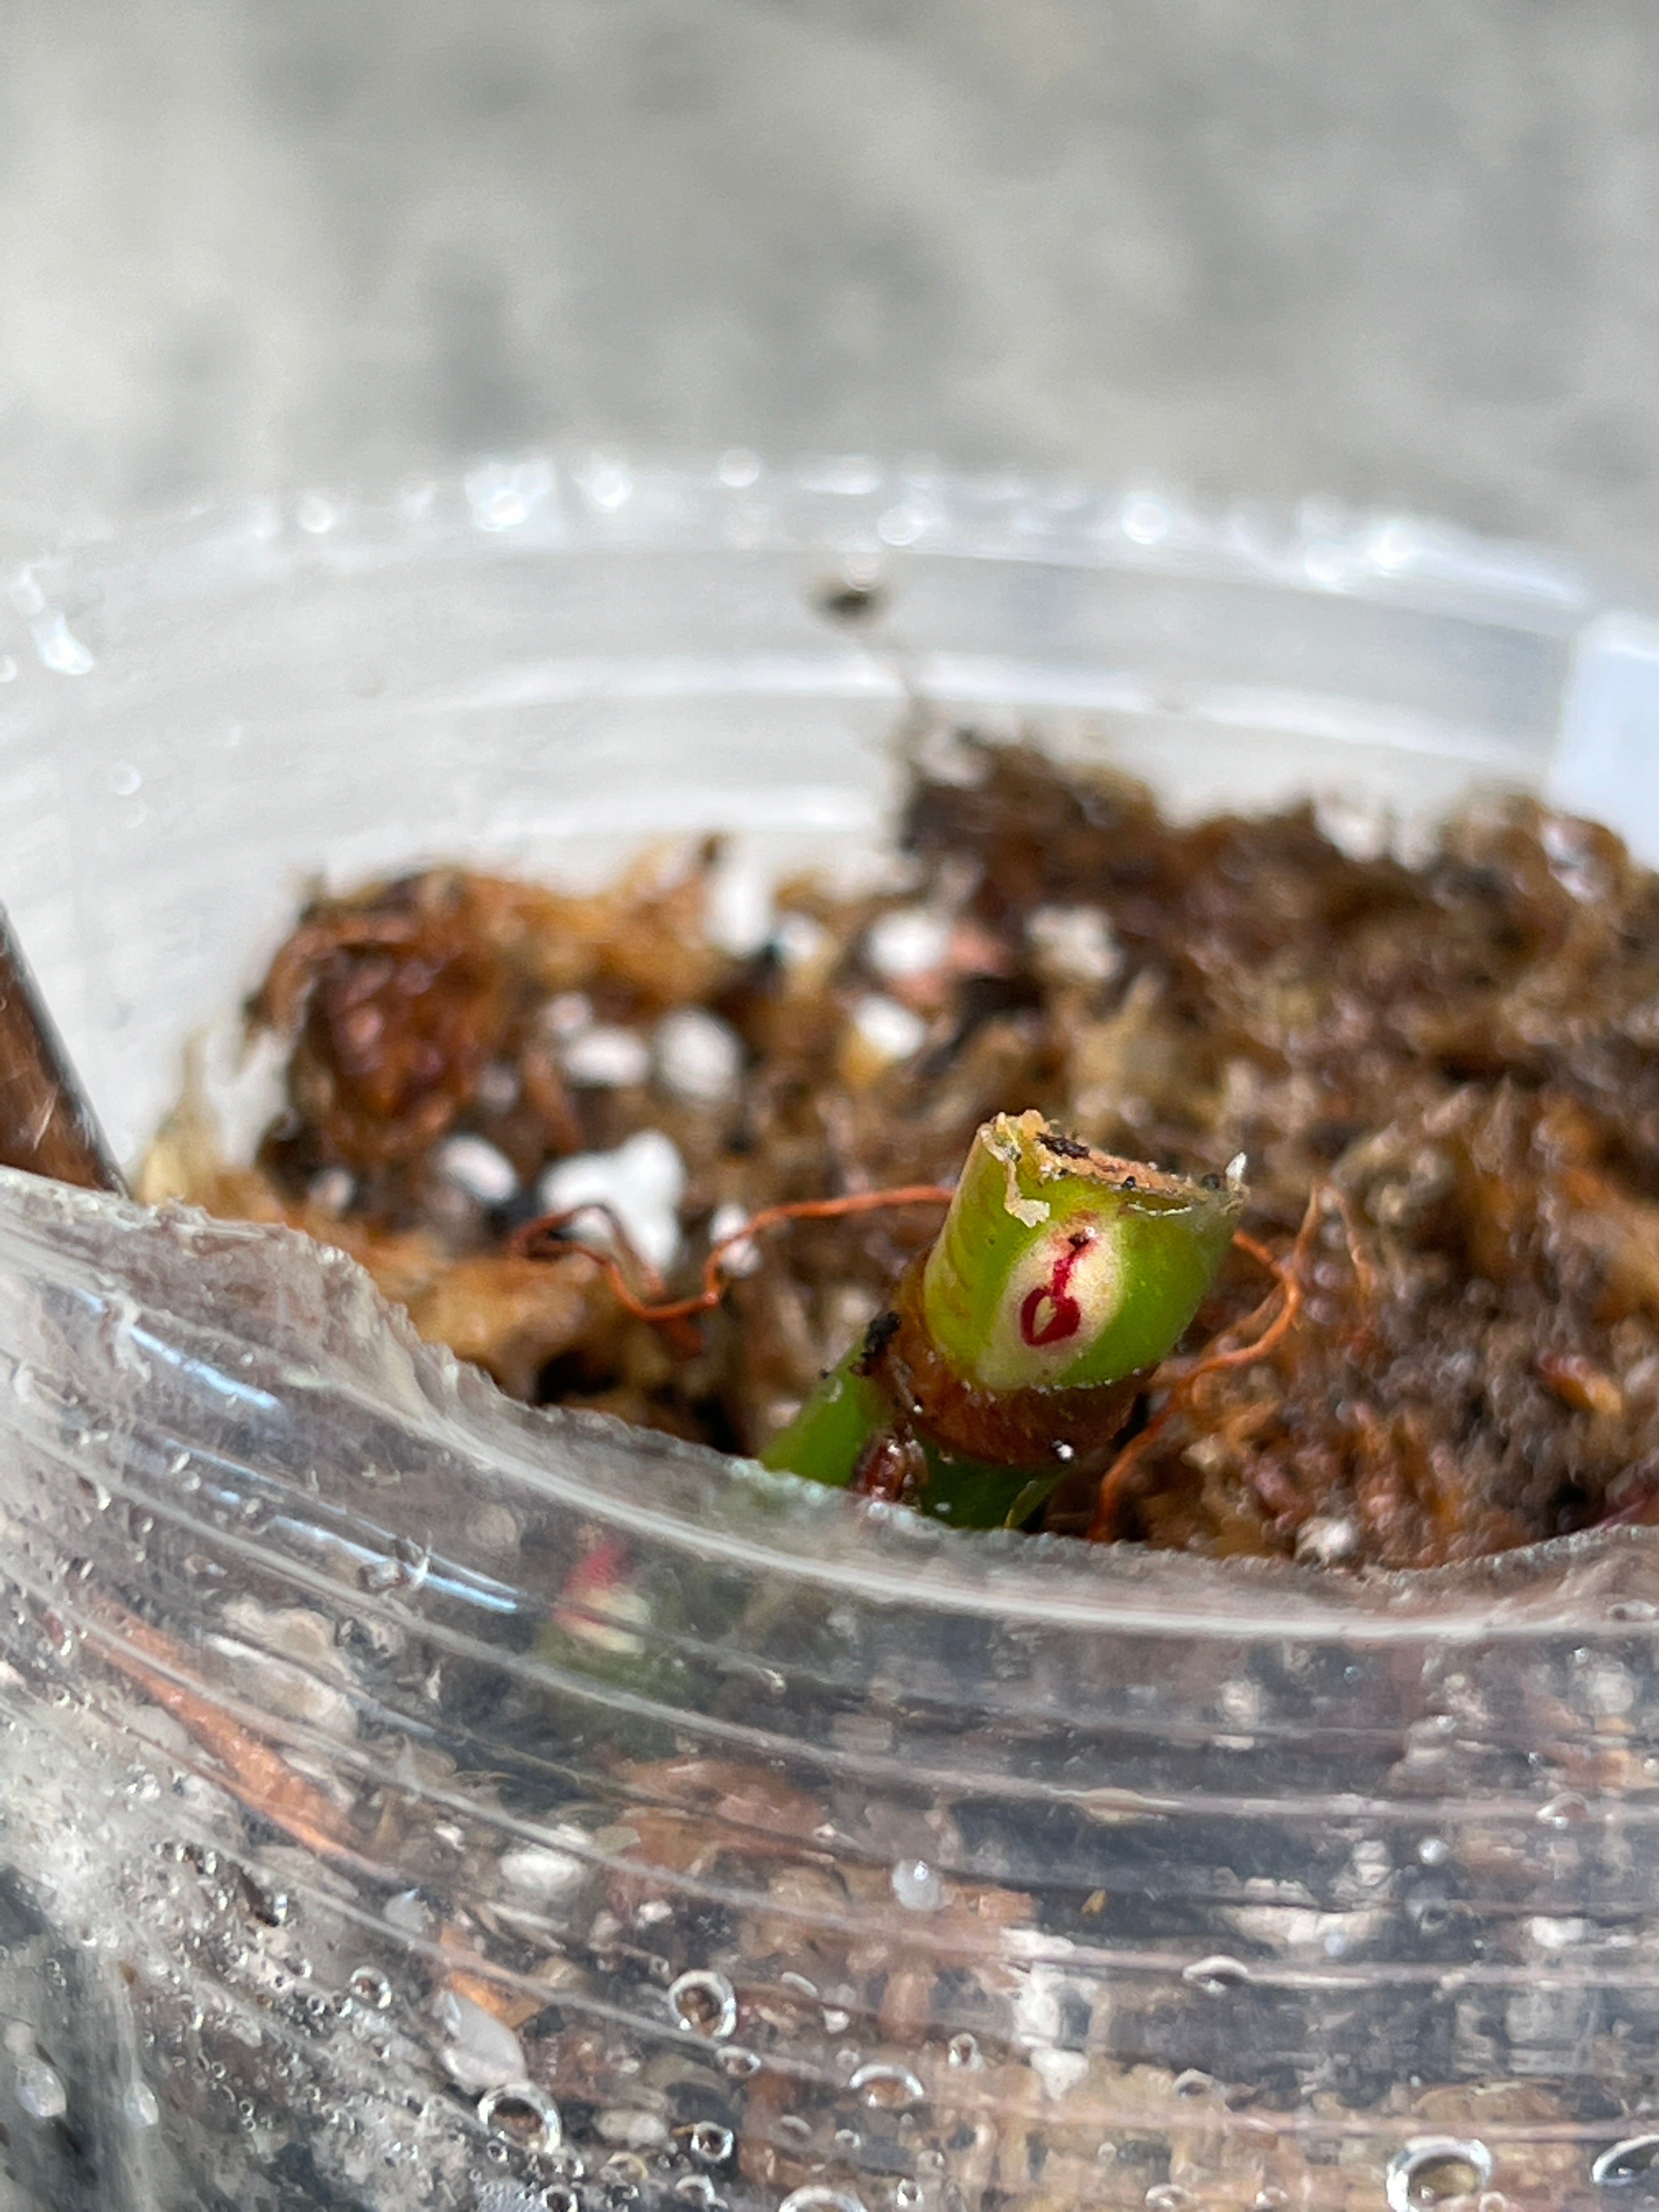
x=1182, y=1381
x=260, y=1776
x=539, y=1240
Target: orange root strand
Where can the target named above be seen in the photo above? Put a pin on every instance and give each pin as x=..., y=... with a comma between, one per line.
x=539, y=1240
x=1265, y=1337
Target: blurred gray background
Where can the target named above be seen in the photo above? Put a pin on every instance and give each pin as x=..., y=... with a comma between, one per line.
x=1402, y=253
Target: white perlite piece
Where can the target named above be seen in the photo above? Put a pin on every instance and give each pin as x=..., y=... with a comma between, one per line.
x=474, y=1164
x=912, y=940
x=699, y=1056
x=605, y=1058
x=642, y=1182
x=888, y=1030
x=1073, y=945
x=800, y=939
x=741, y=1259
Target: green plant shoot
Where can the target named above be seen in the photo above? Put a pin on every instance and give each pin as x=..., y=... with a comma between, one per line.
x=1015, y=1347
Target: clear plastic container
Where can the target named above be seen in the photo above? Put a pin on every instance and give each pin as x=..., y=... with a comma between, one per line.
x=415, y=1800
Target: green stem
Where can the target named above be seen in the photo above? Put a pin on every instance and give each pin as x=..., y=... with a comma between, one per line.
x=1059, y=1279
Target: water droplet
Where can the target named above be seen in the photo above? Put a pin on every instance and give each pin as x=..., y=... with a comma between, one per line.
x=963, y=2050
x=611, y=485
x=403, y=1567
x=59, y=648
x=1626, y=2161
x=1144, y=521
x=624, y=2171
x=709, y=2141
x=704, y=2002
x=695, y=2189
x=738, y=468
x=1271, y=2199
x=1217, y=1974
x=819, y=2197
x=562, y=2196
x=523, y=2115
x=370, y=1987
x=1193, y=2084
x=1429, y=2169
x=40, y=2089
x=886, y=2088
x=739, y=2063
x=140, y=2106
x=907, y=2196
x=1567, y=1809
x=1169, y=2197
x=917, y=1885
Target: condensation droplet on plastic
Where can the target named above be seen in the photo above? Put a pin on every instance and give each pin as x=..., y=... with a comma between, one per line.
x=907, y=2196
x=524, y=2115
x=917, y=1885
x=739, y=2063
x=1217, y=1974
x=1434, y=1850
x=403, y=1567
x=1430, y=2170
x=709, y=2141
x=704, y=2002
x=610, y=485
x=886, y=2088
x=1144, y=521
x=370, y=1987
x=1567, y=1809
x=1621, y=2163
x=737, y=467
x=1170, y=2196
x=40, y=2089
x=855, y=595
x=697, y=2188
x=963, y=2050
x=140, y=2108
x=1271, y=2199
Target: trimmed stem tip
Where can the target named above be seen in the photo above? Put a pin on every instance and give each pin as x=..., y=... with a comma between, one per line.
x=1060, y=1277
x=1061, y=1268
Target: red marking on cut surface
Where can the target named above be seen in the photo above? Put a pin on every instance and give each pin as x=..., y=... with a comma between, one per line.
x=1049, y=1313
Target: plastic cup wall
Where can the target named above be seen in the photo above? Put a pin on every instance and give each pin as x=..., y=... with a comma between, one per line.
x=430, y=1803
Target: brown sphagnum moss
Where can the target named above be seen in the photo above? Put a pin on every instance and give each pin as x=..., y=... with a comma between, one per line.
x=1444, y=1075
